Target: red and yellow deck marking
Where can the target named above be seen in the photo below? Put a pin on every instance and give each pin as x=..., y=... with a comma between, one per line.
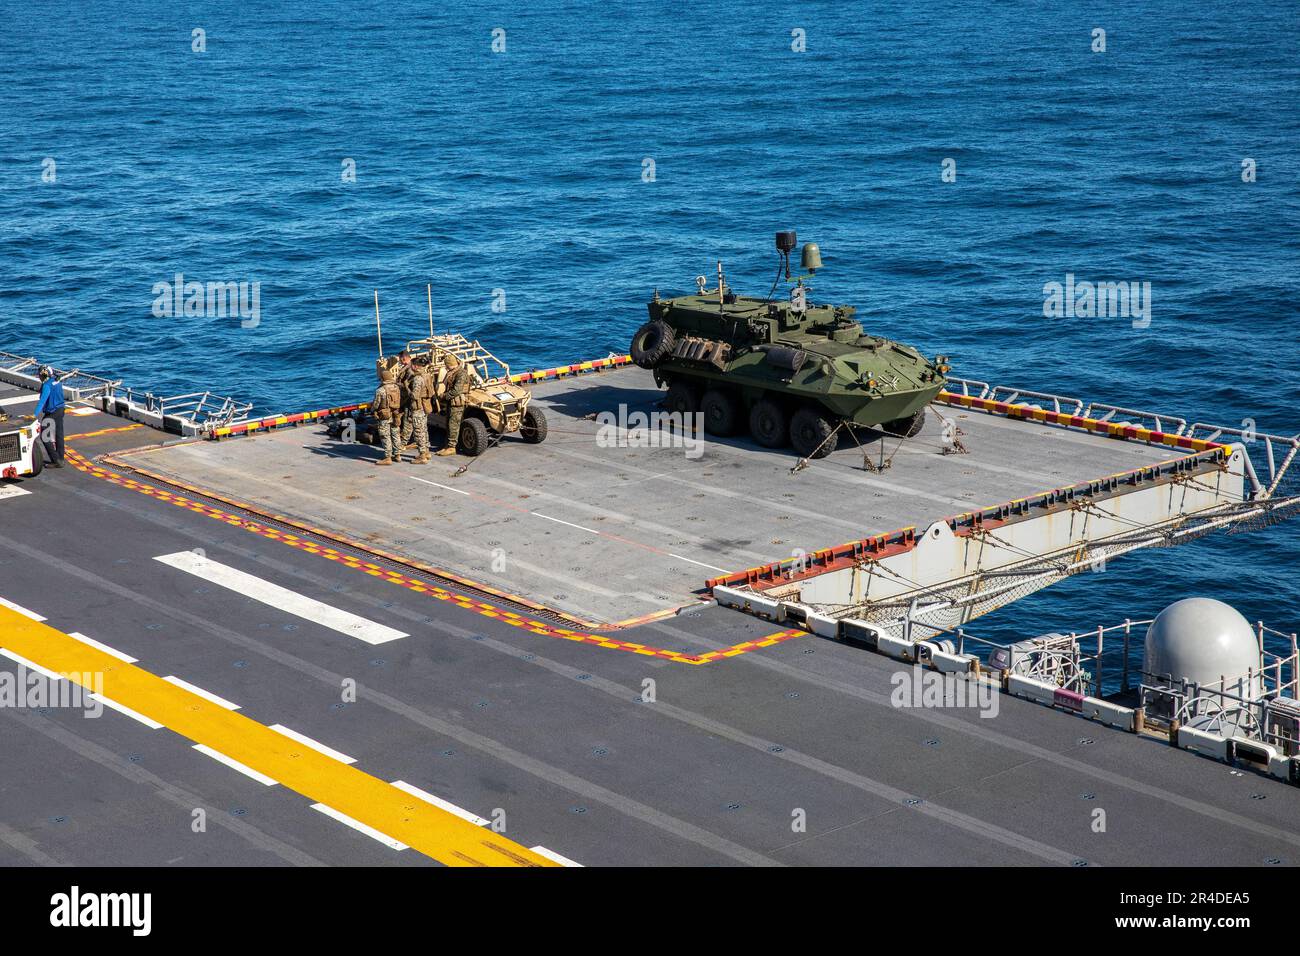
x=578, y=368
x=353, y=543
x=468, y=603
x=420, y=825
x=1095, y=425
x=279, y=421
x=103, y=431
x=904, y=539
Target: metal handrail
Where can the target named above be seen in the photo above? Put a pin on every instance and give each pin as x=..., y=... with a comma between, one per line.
x=969, y=387
x=1059, y=402
x=1247, y=437
x=1161, y=422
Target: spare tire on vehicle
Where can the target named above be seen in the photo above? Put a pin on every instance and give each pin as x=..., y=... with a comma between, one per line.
x=652, y=343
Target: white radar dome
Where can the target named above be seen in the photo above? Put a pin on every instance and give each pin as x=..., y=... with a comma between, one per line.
x=1203, y=640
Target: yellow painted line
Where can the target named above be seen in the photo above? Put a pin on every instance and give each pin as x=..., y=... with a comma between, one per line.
x=376, y=803
x=374, y=570
x=103, y=431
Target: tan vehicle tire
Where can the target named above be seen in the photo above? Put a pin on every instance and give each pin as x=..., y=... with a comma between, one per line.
x=533, y=429
x=473, y=437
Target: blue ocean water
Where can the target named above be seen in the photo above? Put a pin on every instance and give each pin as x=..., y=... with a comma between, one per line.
x=522, y=171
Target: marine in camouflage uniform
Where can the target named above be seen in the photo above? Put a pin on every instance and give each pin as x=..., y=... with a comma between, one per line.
x=418, y=394
x=385, y=407
x=402, y=374
x=459, y=383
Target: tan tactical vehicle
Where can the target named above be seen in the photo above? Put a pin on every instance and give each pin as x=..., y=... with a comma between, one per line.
x=495, y=405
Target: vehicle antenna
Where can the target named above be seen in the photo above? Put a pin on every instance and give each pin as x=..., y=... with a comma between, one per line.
x=428, y=289
x=379, y=329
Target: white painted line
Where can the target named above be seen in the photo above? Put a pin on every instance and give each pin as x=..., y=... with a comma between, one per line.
x=21, y=610
x=219, y=757
x=436, y=485
x=554, y=857
x=282, y=598
x=360, y=827
x=82, y=411
x=103, y=647
x=30, y=665
x=313, y=744
x=12, y=491
x=18, y=399
x=122, y=709
x=700, y=563
x=569, y=523
x=205, y=694
x=440, y=803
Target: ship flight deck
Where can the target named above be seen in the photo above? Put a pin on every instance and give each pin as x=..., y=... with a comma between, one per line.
x=596, y=525
x=485, y=729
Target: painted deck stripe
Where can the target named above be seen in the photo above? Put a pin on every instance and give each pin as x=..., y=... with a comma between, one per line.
x=234, y=764
x=199, y=691
x=103, y=647
x=435, y=484
x=552, y=855
x=30, y=665
x=282, y=598
x=18, y=399
x=700, y=563
x=313, y=744
x=122, y=709
x=12, y=491
x=373, y=802
x=569, y=523
x=20, y=609
x=360, y=827
x=424, y=795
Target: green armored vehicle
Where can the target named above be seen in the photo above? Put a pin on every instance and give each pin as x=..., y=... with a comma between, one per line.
x=792, y=371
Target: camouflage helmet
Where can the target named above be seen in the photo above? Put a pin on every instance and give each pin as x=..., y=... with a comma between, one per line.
x=452, y=362
x=386, y=376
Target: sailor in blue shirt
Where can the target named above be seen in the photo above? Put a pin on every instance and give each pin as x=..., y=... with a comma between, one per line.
x=51, y=405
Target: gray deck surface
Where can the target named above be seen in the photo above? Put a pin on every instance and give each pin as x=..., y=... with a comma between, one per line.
x=488, y=716
x=612, y=533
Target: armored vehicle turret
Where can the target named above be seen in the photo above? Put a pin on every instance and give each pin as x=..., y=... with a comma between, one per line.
x=789, y=371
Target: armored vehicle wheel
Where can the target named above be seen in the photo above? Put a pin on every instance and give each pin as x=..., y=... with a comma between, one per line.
x=473, y=437
x=682, y=397
x=769, y=423
x=533, y=429
x=809, y=431
x=908, y=427
x=721, y=413
x=652, y=343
